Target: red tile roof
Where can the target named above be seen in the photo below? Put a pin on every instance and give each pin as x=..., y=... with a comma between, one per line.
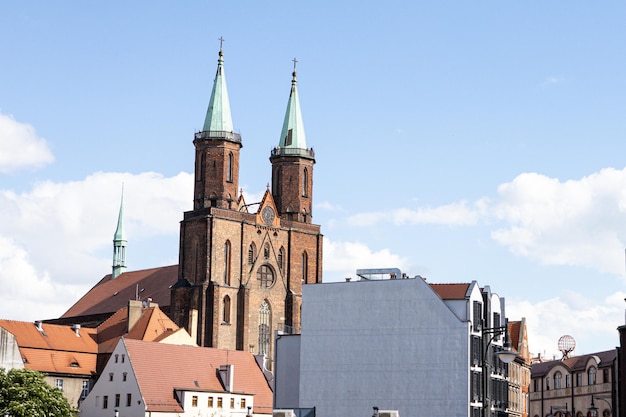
x=193, y=368
x=56, y=349
x=110, y=295
x=451, y=291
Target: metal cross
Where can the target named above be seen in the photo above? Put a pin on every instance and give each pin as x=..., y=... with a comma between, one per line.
x=221, y=40
x=294, y=63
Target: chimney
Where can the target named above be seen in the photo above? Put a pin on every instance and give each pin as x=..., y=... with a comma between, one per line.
x=227, y=375
x=134, y=314
x=76, y=328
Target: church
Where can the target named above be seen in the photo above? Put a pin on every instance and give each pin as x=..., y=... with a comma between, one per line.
x=241, y=271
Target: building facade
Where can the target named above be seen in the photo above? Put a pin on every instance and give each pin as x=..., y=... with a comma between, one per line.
x=394, y=344
x=241, y=271
x=519, y=371
x=568, y=386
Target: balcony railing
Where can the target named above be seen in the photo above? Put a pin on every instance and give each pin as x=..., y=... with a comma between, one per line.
x=306, y=153
x=217, y=134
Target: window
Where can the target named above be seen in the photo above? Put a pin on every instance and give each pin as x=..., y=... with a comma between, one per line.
x=478, y=312
x=232, y=402
x=85, y=390
x=264, y=329
x=226, y=312
x=265, y=275
x=219, y=402
x=124, y=376
x=592, y=376
x=579, y=379
x=59, y=384
x=105, y=401
x=123, y=357
x=547, y=383
x=281, y=256
x=243, y=403
x=605, y=375
x=229, y=168
x=111, y=376
x=117, y=400
x=305, y=267
x=116, y=357
x=227, y=263
x=251, y=251
x=305, y=183
x=476, y=351
x=496, y=323
x=535, y=385
x=129, y=399
x=266, y=250
x=568, y=381
x=557, y=380
x=210, y=402
x=194, y=401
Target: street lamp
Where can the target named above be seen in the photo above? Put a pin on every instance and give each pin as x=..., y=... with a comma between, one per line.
x=507, y=355
x=593, y=410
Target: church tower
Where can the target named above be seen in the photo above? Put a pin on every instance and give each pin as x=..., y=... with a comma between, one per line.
x=119, y=244
x=242, y=266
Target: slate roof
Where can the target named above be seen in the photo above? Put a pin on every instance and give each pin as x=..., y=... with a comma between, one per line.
x=193, y=368
x=56, y=349
x=110, y=295
x=451, y=291
x=575, y=363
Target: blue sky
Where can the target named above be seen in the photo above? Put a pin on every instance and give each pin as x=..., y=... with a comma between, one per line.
x=458, y=141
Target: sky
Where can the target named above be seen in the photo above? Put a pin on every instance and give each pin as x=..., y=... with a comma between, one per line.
x=454, y=140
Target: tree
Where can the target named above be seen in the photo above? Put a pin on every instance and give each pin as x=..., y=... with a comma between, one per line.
x=25, y=393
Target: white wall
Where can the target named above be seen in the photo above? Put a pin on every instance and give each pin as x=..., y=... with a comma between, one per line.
x=287, y=372
x=386, y=343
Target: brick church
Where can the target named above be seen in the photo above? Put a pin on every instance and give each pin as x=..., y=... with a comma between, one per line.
x=242, y=264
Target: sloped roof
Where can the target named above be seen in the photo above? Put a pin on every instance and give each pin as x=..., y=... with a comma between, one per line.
x=575, y=363
x=56, y=349
x=193, y=368
x=514, y=333
x=110, y=295
x=451, y=291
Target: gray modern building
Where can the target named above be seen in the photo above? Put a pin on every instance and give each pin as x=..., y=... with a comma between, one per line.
x=395, y=344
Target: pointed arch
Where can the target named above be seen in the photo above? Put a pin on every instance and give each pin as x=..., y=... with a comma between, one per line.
x=266, y=250
x=227, y=259
x=251, y=253
x=229, y=167
x=265, y=320
x=305, y=182
x=305, y=267
x=281, y=259
x=226, y=310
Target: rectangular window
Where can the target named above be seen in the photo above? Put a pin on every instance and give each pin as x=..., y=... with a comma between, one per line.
x=105, y=401
x=568, y=381
x=129, y=399
x=476, y=351
x=243, y=403
x=496, y=323
x=85, y=390
x=579, y=379
x=124, y=376
x=194, y=401
x=59, y=384
x=605, y=376
x=477, y=318
x=111, y=376
x=210, y=402
x=232, y=403
x=219, y=402
x=117, y=400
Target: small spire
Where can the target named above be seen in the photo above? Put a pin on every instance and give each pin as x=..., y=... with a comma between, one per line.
x=292, y=134
x=119, y=243
x=218, y=116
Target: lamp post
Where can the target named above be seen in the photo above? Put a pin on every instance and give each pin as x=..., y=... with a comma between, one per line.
x=593, y=410
x=507, y=355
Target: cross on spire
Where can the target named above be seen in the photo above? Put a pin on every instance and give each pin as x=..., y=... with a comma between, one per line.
x=221, y=41
x=295, y=61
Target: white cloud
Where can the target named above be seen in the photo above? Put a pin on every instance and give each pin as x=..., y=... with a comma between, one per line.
x=551, y=80
x=460, y=213
x=591, y=324
x=20, y=147
x=342, y=259
x=577, y=222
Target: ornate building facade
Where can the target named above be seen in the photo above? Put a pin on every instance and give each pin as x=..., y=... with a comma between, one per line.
x=241, y=272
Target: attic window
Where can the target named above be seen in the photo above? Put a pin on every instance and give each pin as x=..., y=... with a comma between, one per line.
x=74, y=364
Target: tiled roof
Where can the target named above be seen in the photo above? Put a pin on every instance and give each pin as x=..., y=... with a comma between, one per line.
x=193, y=368
x=574, y=364
x=514, y=333
x=110, y=295
x=451, y=291
x=55, y=349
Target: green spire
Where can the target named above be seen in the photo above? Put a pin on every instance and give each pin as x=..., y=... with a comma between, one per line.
x=218, y=117
x=119, y=243
x=292, y=135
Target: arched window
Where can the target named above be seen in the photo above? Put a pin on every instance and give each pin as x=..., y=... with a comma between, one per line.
x=281, y=257
x=305, y=183
x=229, y=168
x=591, y=373
x=226, y=312
x=227, y=263
x=264, y=328
x=266, y=250
x=251, y=253
x=558, y=377
x=547, y=383
x=305, y=267
x=265, y=275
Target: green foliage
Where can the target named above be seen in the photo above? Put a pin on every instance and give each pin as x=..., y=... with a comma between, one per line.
x=25, y=393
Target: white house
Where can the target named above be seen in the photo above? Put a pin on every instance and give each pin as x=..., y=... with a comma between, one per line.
x=164, y=380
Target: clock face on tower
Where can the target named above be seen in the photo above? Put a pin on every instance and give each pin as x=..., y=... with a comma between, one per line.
x=268, y=215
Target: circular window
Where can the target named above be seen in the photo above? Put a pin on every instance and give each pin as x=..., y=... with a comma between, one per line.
x=265, y=275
